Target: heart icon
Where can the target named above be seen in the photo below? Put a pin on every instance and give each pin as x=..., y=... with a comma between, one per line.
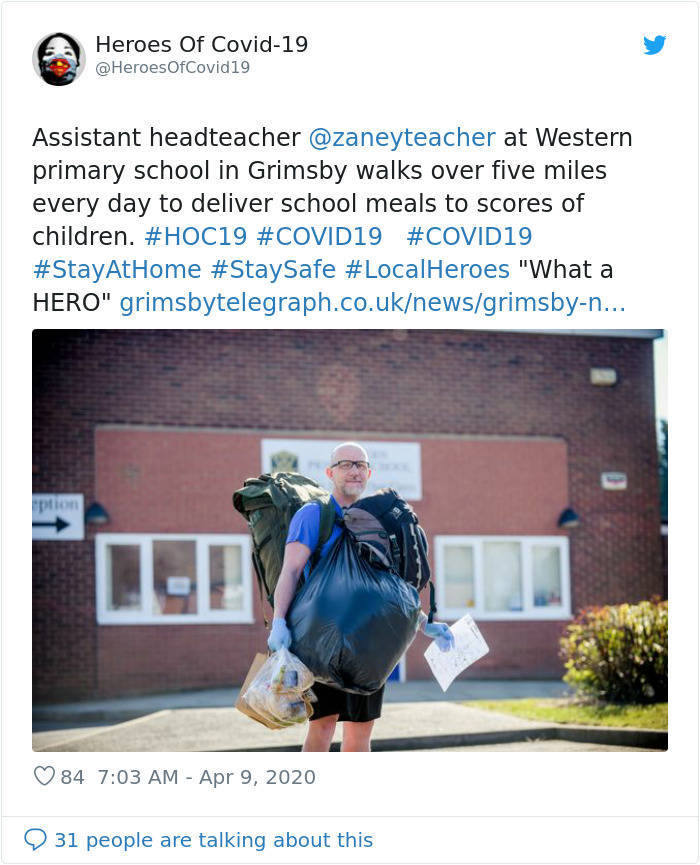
x=44, y=774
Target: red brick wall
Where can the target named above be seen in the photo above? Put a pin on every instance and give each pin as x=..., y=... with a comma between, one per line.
x=181, y=481
x=414, y=383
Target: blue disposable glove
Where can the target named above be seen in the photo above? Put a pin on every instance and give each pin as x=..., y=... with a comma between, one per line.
x=280, y=636
x=441, y=633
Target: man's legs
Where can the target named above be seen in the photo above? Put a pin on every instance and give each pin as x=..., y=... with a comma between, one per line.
x=356, y=735
x=320, y=734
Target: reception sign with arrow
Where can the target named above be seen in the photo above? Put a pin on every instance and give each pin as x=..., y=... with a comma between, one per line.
x=58, y=517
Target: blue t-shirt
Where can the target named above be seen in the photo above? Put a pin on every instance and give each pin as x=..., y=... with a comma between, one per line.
x=306, y=525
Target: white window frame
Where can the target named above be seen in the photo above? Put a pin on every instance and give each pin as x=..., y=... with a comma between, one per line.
x=529, y=611
x=145, y=615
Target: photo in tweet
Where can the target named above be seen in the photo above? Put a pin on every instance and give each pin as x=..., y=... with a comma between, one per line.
x=502, y=475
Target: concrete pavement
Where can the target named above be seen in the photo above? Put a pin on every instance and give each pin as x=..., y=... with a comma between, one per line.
x=207, y=721
x=128, y=708
x=225, y=729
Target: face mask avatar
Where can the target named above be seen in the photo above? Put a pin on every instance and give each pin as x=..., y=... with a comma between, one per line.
x=58, y=65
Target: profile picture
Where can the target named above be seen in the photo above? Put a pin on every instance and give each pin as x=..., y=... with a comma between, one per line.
x=59, y=59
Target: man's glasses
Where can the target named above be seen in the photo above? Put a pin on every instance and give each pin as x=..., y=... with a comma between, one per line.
x=346, y=465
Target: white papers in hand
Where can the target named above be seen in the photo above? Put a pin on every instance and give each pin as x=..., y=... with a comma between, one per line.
x=469, y=647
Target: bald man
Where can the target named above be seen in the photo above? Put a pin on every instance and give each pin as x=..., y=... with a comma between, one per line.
x=349, y=471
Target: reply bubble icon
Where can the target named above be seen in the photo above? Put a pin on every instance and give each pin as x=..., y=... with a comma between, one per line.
x=35, y=838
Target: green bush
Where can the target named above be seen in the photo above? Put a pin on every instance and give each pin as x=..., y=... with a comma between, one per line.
x=619, y=654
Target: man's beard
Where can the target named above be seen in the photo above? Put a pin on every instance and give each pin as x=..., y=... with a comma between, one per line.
x=352, y=490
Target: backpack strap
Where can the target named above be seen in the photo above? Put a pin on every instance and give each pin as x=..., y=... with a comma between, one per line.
x=433, y=608
x=328, y=519
x=395, y=551
x=258, y=573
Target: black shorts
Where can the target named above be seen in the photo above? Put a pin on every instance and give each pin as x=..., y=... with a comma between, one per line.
x=348, y=707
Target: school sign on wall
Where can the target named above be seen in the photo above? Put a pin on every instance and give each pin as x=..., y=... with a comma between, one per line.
x=394, y=464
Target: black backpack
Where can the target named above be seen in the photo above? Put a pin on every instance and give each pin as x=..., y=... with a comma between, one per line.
x=268, y=504
x=398, y=533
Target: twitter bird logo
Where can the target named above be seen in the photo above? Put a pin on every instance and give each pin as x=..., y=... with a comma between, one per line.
x=653, y=46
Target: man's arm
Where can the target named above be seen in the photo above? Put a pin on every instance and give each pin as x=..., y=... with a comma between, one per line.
x=296, y=555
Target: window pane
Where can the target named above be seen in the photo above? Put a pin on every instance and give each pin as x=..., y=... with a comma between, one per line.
x=123, y=588
x=174, y=577
x=546, y=576
x=225, y=578
x=459, y=577
x=502, y=576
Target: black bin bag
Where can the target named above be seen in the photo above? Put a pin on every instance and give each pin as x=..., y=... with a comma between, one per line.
x=351, y=621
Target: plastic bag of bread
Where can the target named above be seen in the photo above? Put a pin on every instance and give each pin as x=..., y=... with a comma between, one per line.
x=280, y=692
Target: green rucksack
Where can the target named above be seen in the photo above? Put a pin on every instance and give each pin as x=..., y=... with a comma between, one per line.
x=268, y=504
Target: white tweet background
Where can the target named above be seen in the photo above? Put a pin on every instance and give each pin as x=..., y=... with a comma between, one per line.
x=372, y=65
